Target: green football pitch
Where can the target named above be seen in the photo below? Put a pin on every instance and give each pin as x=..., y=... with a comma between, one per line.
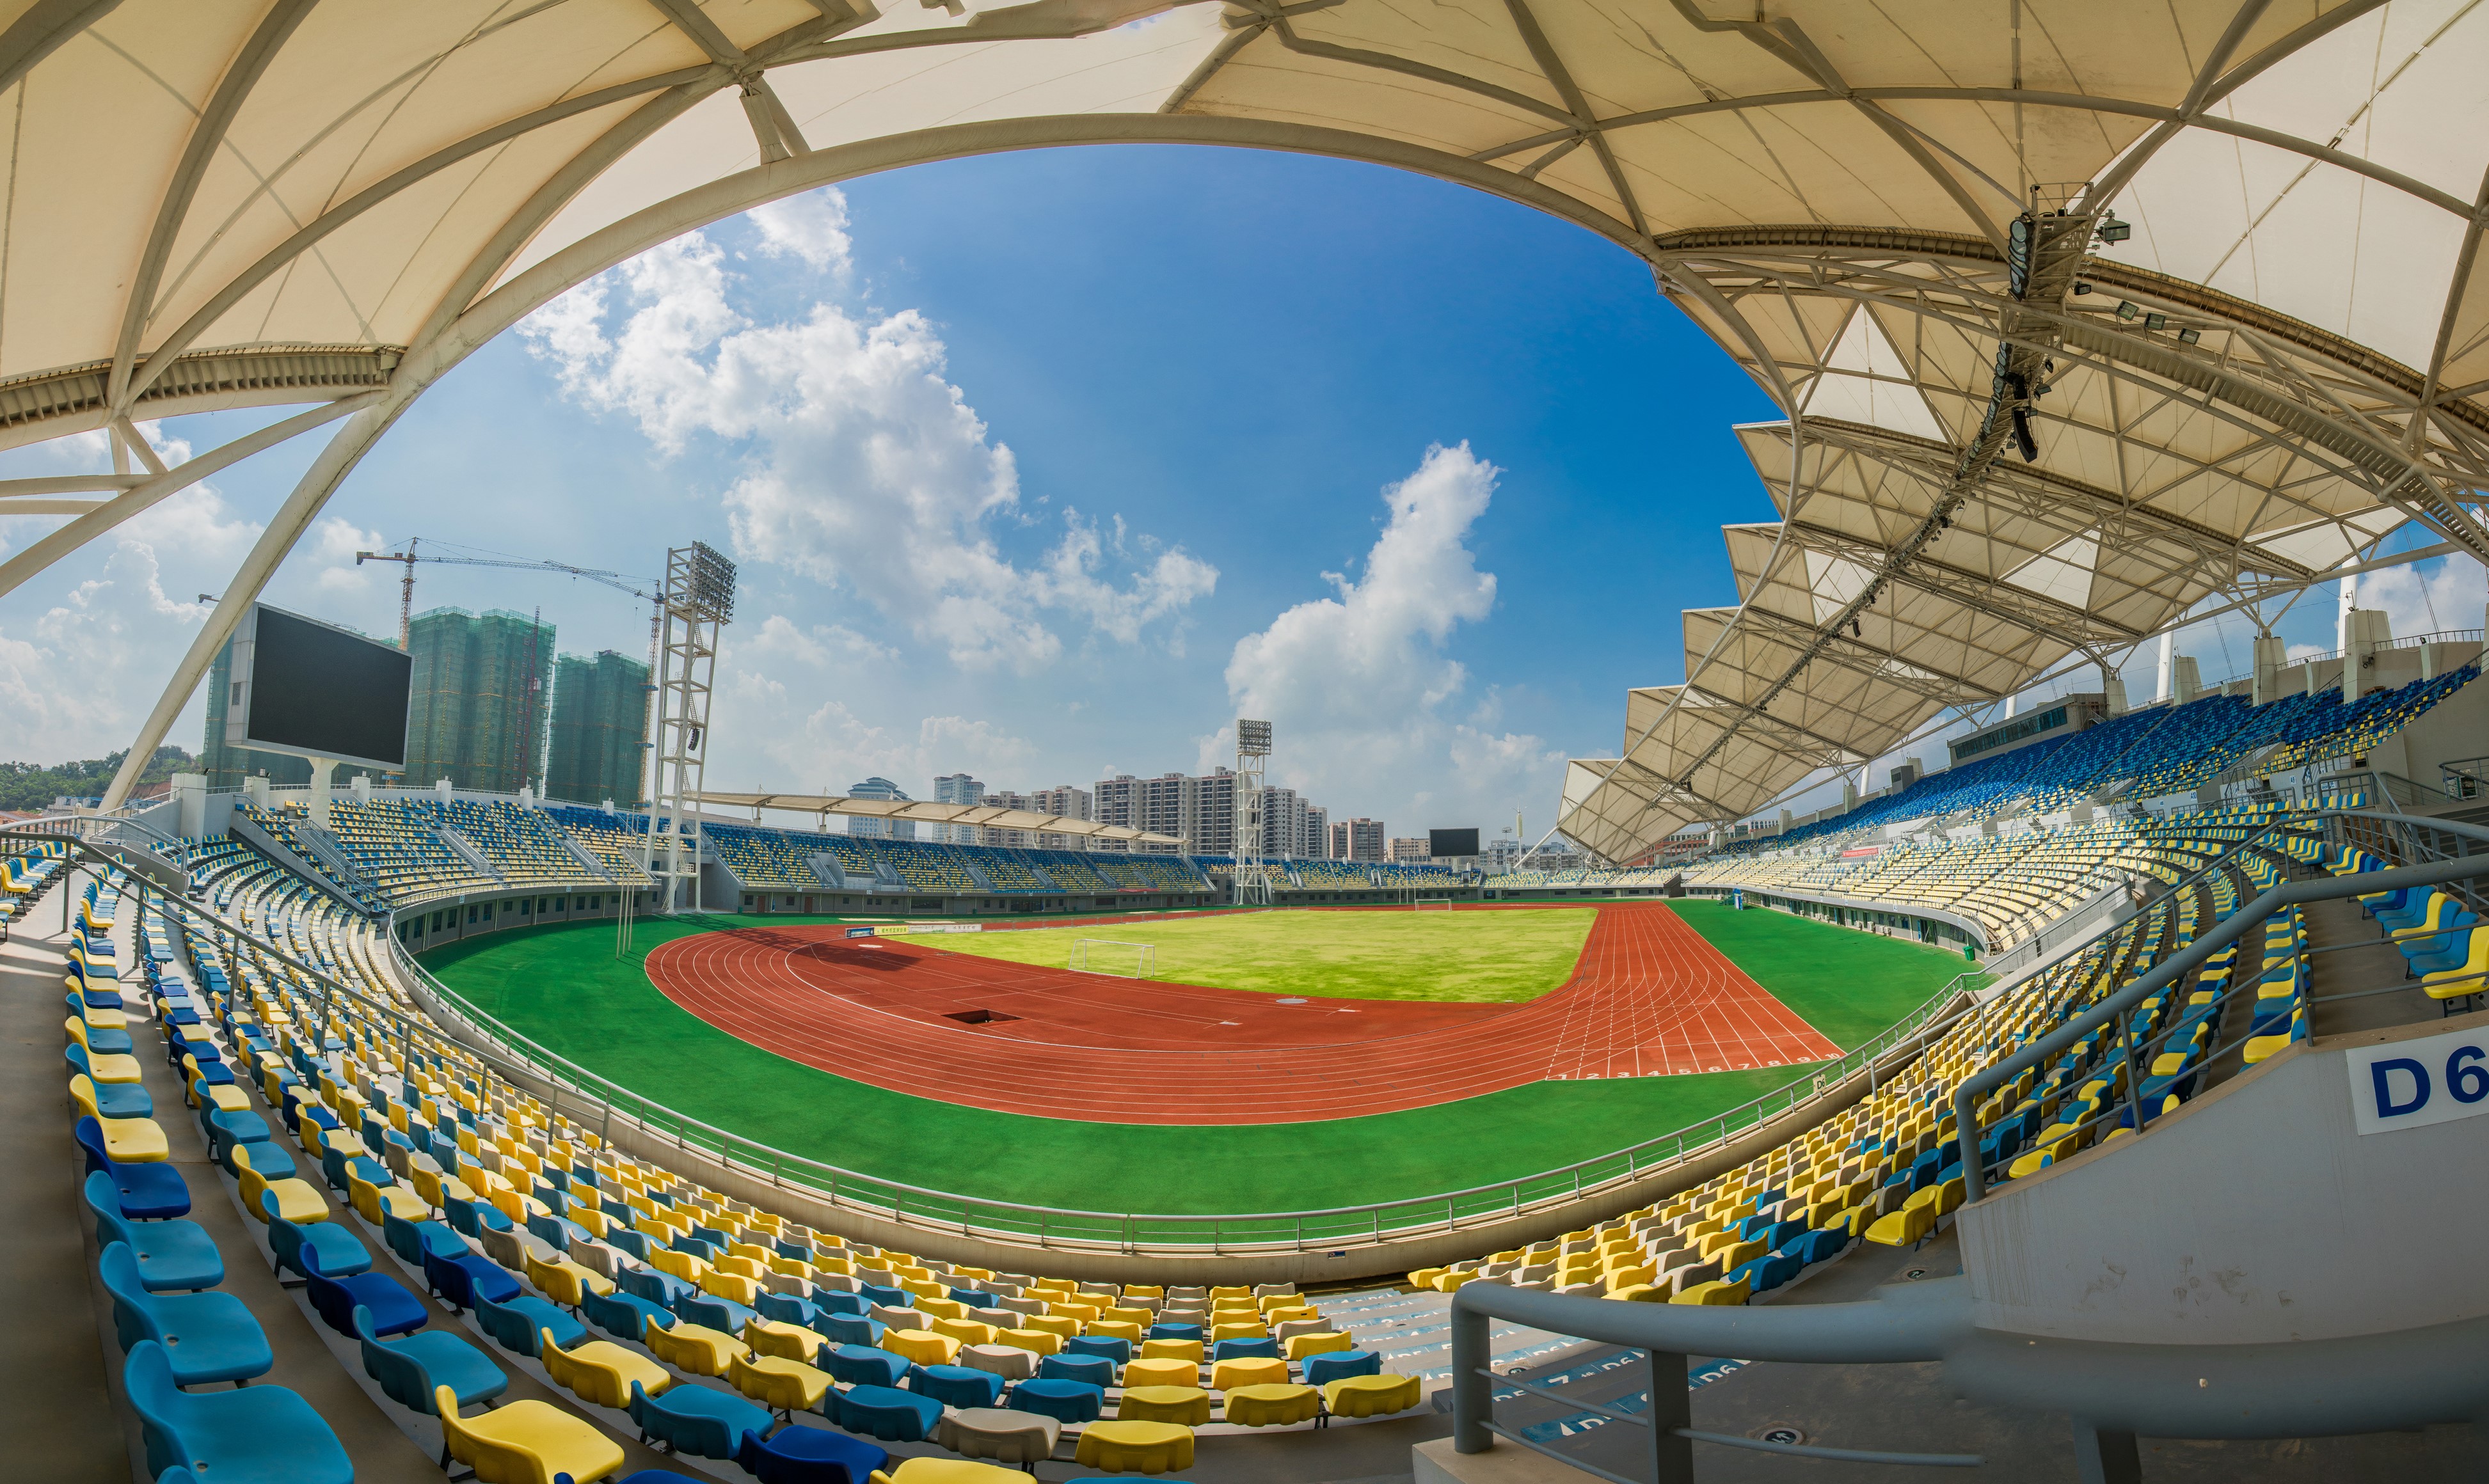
x=1495, y=956
x=563, y=989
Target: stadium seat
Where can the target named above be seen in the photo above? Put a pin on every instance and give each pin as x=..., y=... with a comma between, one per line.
x=529, y=1441
x=261, y=1434
x=883, y=1411
x=808, y=1455
x=412, y=1369
x=1063, y=1399
x=171, y=1255
x=201, y=1337
x=1134, y=1447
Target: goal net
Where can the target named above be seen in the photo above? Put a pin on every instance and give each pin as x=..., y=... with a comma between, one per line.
x=1113, y=955
x=1421, y=904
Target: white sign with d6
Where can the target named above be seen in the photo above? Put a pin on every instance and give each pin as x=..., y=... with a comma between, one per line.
x=2413, y=1084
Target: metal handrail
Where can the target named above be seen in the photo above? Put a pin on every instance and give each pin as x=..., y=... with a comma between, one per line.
x=1313, y=1230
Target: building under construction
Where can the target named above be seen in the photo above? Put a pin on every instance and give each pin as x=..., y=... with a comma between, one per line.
x=478, y=714
x=600, y=719
x=227, y=765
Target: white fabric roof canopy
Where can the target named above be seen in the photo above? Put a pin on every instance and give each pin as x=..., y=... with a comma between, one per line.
x=989, y=815
x=331, y=202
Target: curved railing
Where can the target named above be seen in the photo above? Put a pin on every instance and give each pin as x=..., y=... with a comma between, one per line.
x=590, y=1098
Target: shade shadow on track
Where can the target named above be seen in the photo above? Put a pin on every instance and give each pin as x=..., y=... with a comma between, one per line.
x=1649, y=997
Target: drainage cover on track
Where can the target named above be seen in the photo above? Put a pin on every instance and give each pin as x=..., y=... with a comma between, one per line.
x=979, y=1016
x=1778, y=1432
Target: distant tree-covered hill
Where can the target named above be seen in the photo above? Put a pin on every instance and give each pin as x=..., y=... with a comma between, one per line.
x=30, y=786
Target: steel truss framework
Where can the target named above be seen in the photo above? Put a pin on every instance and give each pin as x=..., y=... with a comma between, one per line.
x=333, y=202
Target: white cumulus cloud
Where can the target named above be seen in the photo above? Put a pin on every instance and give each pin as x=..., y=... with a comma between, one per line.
x=1360, y=687
x=864, y=467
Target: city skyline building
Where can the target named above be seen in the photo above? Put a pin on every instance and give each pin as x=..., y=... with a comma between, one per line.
x=477, y=713
x=600, y=724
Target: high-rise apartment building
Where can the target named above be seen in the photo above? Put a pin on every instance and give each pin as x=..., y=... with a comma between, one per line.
x=477, y=713
x=1411, y=847
x=1356, y=840
x=1314, y=844
x=227, y=766
x=600, y=721
x=1202, y=811
x=879, y=829
x=957, y=789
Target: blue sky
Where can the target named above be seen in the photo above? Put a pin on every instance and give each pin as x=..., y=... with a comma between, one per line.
x=1043, y=466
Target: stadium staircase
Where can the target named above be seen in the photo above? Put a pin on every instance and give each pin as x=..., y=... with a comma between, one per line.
x=465, y=849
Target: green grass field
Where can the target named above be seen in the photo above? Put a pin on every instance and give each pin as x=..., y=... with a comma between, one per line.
x=563, y=988
x=1483, y=957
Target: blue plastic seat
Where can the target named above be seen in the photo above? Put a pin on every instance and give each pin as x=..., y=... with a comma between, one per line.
x=1175, y=1333
x=624, y=1240
x=699, y=1420
x=809, y=1455
x=108, y=1042
x=831, y=1302
x=205, y=1337
x=462, y=1280
x=849, y=1329
x=468, y=1219
x=414, y=1241
x=266, y=1435
x=408, y=1368
x=226, y=1130
x=624, y=1316
x=720, y=1314
x=172, y=1255
x=513, y=1324
x=662, y=1289
x=147, y=1192
x=1813, y=1247
x=1094, y=1370
x=1340, y=1364
x=337, y=1251
x=786, y=1309
x=862, y=1365
x=1109, y=1347
x=393, y=1310
x=1064, y=1400
x=886, y=1413
x=956, y=1386
x=1768, y=1271
x=121, y=1100
x=1244, y=1349
x=888, y=1298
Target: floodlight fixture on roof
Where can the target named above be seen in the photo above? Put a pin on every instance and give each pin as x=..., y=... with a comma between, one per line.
x=1252, y=738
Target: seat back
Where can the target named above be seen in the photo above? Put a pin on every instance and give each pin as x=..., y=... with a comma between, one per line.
x=103, y=1199
x=402, y=1377
x=509, y=1328
x=402, y=1237
x=135, y=1316
x=147, y=1376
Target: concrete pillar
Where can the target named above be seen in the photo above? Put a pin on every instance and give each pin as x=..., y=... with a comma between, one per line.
x=1849, y=795
x=2112, y=692
x=2189, y=679
x=361, y=788
x=1787, y=820
x=2371, y=631
x=190, y=794
x=254, y=788
x=323, y=771
x=2270, y=654
x=2168, y=673
x=2349, y=599
x=440, y=786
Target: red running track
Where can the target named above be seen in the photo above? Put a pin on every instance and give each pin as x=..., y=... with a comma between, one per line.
x=1648, y=997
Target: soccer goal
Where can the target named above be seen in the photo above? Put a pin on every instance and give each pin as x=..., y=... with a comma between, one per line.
x=1421, y=904
x=1113, y=955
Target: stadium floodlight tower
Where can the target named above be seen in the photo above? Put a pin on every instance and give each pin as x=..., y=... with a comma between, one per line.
x=1252, y=877
x=699, y=601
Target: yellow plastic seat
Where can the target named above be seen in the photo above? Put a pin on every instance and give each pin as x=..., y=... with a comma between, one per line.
x=967, y=1331
x=298, y=1201
x=775, y=1337
x=1163, y=1371
x=1247, y=1371
x=733, y=1287
x=227, y=1098
x=114, y=1066
x=1051, y=1324
x=1064, y=1309
x=947, y=1470
x=677, y=1264
x=1130, y=1316
x=1123, y=1446
x=1904, y=1227
x=1718, y=1293
x=1187, y=1405
x=565, y=1282
x=600, y=1371
x=1172, y=1350
x=132, y=1140
x=525, y=1443
x=1370, y=1396
x=1114, y=1329
x=1038, y=1341
x=1302, y=1345
x=778, y=1382
x=694, y=1347
x=1252, y=1331
x=1274, y=1405
x=921, y=1346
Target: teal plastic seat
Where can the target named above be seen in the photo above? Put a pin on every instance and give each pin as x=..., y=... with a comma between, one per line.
x=334, y=1250
x=172, y=1255
x=411, y=1241
x=623, y=1315
x=205, y=1337
x=410, y=1366
x=266, y=1435
x=513, y=1324
x=699, y=1420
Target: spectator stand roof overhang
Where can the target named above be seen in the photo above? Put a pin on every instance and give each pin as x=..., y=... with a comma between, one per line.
x=332, y=202
x=922, y=811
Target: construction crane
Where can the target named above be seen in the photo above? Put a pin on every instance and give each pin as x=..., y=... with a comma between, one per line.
x=620, y=582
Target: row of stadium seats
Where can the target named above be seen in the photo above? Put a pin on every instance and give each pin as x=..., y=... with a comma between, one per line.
x=391, y=846
x=609, y=837
x=525, y=846
x=1888, y=1169
x=699, y=1319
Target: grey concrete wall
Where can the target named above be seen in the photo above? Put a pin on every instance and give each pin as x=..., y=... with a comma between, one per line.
x=2255, y=1213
